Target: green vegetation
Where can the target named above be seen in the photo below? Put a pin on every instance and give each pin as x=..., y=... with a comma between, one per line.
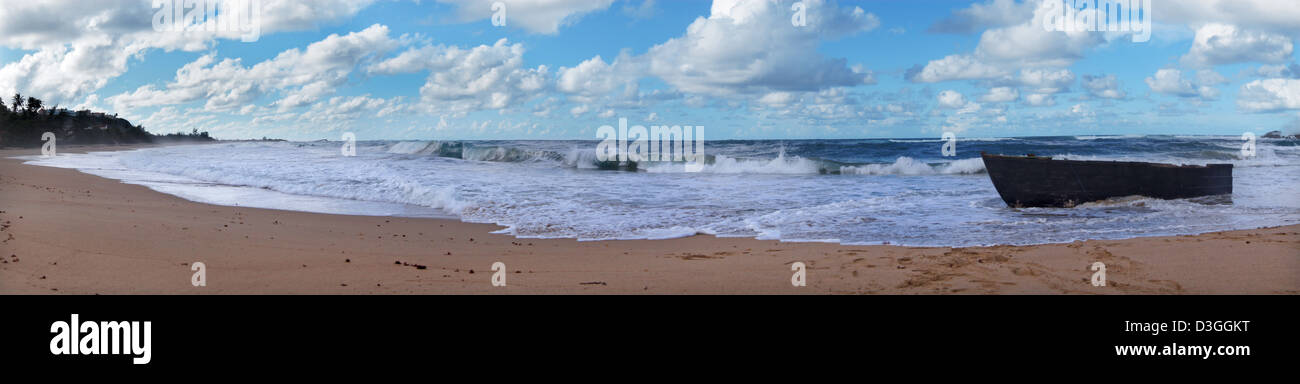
x=23, y=121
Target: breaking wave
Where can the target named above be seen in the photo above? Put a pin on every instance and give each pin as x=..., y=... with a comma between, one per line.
x=781, y=164
x=885, y=192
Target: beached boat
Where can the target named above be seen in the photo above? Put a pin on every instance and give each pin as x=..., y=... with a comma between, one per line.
x=1032, y=181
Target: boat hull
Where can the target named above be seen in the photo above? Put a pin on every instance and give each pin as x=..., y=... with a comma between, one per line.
x=1028, y=181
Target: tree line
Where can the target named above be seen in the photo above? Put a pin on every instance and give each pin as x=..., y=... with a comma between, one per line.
x=23, y=108
x=24, y=119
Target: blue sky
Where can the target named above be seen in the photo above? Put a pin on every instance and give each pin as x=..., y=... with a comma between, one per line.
x=440, y=69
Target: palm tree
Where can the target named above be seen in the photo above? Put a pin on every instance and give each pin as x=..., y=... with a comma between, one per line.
x=33, y=105
x=18, y=102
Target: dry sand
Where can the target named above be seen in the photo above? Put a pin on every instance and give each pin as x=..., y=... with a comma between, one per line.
x=65, y=232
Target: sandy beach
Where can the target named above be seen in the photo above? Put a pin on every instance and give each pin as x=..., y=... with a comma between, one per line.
x=66, y=232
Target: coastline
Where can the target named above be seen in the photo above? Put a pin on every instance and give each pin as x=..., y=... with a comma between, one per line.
x=132, y=240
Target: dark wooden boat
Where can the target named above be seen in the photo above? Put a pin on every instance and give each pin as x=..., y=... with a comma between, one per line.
x=1031, y=181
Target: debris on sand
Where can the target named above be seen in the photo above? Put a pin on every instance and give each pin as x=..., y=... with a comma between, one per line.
x=405, y=264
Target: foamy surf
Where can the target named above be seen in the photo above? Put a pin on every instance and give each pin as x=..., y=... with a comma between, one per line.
x=912, y=167
x=844, y=191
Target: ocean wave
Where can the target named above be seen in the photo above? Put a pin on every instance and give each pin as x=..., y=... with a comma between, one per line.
x=959, y=139
x=784, y=164
x=911, y=167
x=502, y=154
x=729, y=158
x=859, y=159
x=587, y=159
x=452, y=149
x=534, y=193
x=1108, y=137
x=367, y=182
x=409, y=147
x=473, y=152
x=780, y=165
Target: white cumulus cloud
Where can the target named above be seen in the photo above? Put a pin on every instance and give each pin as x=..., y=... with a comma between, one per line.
x=1000, y=95
x=951, y=99
x=303, y=76
x=1218, y=44
x=1268, y=95
x=466, y=80
x=1106, y=87
x=1172, y=82
x=82, y=44
x=751, y=46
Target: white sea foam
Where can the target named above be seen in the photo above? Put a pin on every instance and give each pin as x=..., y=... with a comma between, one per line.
x=1110, y=137
x=912, y=167
x=780, y=165
x=409, y=147
x=959, y=139
x=550, y=190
